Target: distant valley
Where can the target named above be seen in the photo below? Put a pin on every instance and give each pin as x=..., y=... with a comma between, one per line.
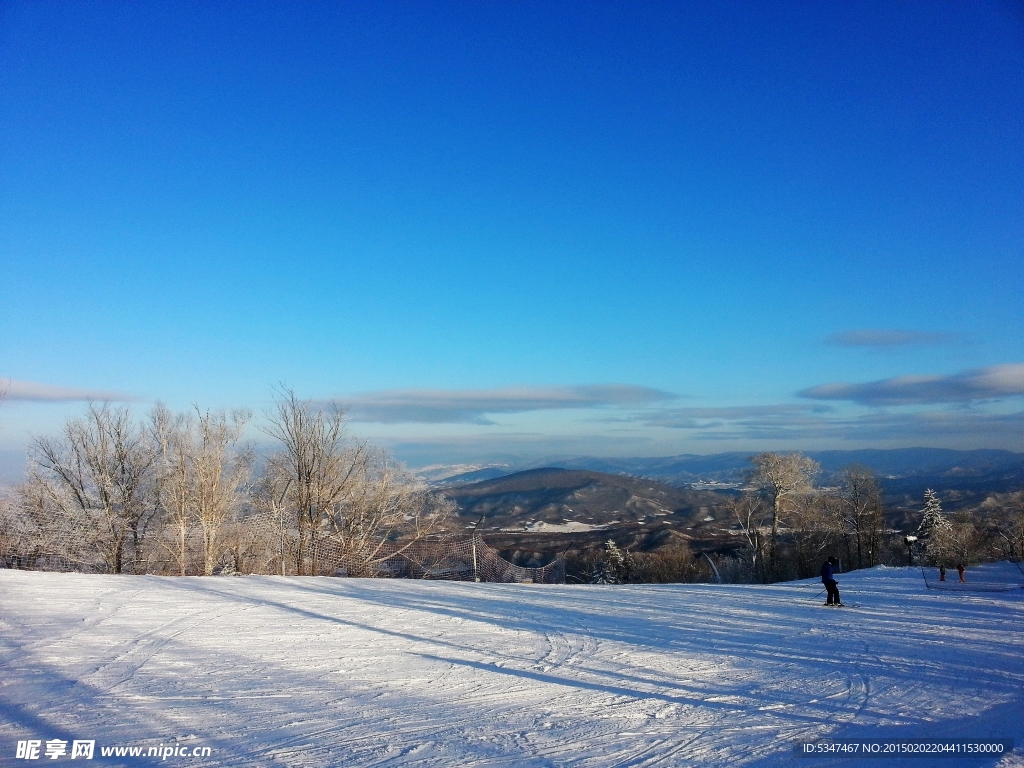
x=649, y=503
x=536, y=513
x=551, y=497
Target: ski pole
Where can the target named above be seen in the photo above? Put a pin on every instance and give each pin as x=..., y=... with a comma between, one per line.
x=818, y=595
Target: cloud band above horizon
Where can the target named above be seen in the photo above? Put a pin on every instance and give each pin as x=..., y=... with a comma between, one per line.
x=993, y=382
x=35, y=392
x=438, y=406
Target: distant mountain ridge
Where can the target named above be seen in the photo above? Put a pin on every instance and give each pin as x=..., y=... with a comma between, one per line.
x=903, y=471
x=887, y=463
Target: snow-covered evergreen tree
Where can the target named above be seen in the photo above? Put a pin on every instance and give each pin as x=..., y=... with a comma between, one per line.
x=613, y=568
x=602, y=574
x=934, y=529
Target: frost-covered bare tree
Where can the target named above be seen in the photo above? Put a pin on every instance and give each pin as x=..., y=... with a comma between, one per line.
x=221, y=473
x=98, y=478
x=346, y=497
x=29, y=533
x=384, y=504
x=815, y=523
x=861, y=514
x=1007, y=530
x=960, y=541
x=201, y=475
x=318, y=463
x=753, y=515
x=174, y=480
x=273, y=544
x=781, y=476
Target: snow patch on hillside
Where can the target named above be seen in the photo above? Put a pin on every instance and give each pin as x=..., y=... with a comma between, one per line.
x=570, y=527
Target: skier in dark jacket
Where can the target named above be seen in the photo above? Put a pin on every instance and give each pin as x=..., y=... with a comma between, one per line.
x=830, y=583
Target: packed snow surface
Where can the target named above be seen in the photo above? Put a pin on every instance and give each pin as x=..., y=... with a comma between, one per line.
x=272, y=671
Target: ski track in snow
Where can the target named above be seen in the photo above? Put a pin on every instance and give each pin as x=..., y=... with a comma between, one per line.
x=348, y=672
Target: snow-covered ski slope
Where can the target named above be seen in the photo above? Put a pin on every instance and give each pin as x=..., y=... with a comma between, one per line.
x=270, y=671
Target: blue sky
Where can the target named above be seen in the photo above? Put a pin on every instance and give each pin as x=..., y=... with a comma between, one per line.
x=521, y=229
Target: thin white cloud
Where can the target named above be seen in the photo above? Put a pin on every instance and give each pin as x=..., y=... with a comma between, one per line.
x=31, y=391
x=696, y=418
x=946, y=428
x=994, y=382
x=924, y=427
x=786, y=423
x=516, y=449
x=888, y=337
x=438, y=406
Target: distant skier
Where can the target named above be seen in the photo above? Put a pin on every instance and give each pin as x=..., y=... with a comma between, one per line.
x=942, y=573
x=960, y=570
x=830, y=583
